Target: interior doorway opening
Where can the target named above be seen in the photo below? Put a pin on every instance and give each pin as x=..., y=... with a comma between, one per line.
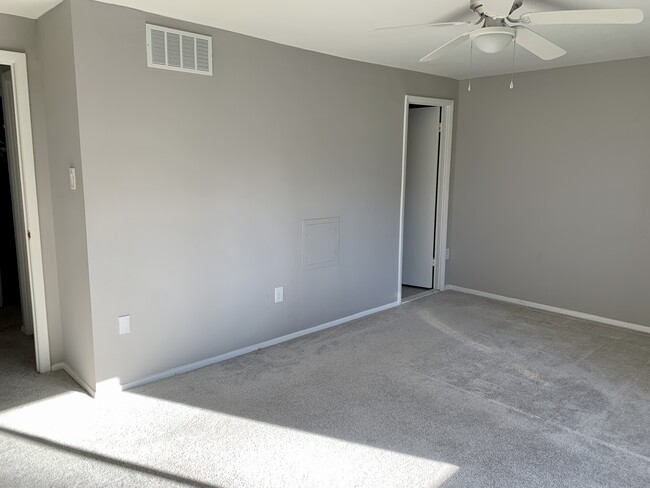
x=20, y=169
x=15, y=300
x=426, y=162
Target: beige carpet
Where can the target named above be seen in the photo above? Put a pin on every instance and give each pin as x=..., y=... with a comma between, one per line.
x=449, y=390
x=10, y=316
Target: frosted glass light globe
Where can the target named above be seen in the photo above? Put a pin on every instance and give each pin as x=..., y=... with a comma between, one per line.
x=492, y=40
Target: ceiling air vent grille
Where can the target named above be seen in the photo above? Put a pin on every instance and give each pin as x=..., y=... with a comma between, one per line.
x=178, y=51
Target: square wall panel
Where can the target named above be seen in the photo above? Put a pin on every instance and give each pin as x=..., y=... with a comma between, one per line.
x=320, y=243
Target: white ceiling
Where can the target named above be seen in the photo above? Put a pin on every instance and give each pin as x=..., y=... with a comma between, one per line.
x=346, y=28
x=31, y=9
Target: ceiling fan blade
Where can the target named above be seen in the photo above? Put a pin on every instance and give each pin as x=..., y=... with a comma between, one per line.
x=434, y=24
x=456, y=41
x=600, y=16
x=497, y=8
x=538, y=45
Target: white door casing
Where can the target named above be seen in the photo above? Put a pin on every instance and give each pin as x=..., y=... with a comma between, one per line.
x=29, y=199
x=444, y=172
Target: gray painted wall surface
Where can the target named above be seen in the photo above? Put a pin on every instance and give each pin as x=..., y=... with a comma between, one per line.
x=56, y=48
x=20, y=35
x=195, y=188
x=550, y=199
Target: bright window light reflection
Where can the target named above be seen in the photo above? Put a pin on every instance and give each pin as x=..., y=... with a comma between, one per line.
x=211, y=447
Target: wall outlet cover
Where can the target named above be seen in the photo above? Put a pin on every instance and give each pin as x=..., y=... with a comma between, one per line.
x=279, y=294
x=125, y=324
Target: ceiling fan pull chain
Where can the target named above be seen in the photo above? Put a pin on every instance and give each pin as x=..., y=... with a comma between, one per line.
x=512, y=72
x=471, y=52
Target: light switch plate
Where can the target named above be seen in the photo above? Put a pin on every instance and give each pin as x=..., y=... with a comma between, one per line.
x=279, y=294
x=125, y=324
x=73, y=178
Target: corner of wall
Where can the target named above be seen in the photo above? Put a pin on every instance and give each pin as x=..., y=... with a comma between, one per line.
x=55, y=36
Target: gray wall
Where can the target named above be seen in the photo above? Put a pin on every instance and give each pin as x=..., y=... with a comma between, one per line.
x=195, y=188
x=56, y=48
x=550, y=199
x=20, y=35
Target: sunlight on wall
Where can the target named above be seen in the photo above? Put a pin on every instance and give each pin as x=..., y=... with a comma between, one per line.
x=159, y=438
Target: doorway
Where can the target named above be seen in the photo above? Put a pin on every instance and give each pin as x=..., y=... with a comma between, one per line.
x=10, y=310
x=22, y=284
x=15, y=323
x=426, y=162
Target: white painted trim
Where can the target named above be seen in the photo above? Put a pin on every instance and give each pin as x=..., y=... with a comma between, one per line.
x=111, y=387
x=405, y=131
x=444, y=177
x=27, y=168
x=73, y=374
x=444, y=173
x=550, y=308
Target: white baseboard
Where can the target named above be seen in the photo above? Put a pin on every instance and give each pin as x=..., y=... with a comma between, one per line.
x=75, y=376
x=106, y=388
x=549, y=308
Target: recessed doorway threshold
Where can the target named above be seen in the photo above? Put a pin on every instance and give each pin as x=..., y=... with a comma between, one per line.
x=410, y=293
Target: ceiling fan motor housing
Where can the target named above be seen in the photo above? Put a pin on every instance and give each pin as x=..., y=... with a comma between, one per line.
x=480, y=7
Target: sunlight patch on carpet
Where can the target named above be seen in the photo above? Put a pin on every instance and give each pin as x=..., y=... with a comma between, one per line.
x=208, y=446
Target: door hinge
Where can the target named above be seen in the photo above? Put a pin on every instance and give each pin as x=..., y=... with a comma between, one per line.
x=440, y=127
x=433, y=262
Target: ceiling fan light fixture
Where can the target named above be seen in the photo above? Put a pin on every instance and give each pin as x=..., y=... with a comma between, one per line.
x=492, y=40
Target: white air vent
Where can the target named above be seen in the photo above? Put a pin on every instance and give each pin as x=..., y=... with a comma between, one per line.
x=178, y=50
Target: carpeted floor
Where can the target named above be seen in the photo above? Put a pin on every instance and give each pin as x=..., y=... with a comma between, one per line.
x=448, y=390
x=10, y=316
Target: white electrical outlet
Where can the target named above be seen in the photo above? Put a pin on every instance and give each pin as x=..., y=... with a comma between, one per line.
x=279, y=294
x=447, y=254
x=125, y=324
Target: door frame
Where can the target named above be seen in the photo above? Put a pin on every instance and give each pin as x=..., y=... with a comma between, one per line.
x=27, y=174
x=444, y=173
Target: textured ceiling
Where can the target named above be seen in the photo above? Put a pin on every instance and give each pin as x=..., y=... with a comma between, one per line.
x=346, y=28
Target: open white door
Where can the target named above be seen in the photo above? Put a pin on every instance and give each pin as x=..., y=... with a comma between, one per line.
x=16, y=202
x=420, y=196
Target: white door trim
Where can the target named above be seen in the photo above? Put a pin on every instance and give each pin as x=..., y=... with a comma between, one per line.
x=444, y=171
x=27, y=169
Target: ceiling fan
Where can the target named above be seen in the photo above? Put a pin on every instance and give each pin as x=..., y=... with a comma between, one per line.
x=497, y=29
